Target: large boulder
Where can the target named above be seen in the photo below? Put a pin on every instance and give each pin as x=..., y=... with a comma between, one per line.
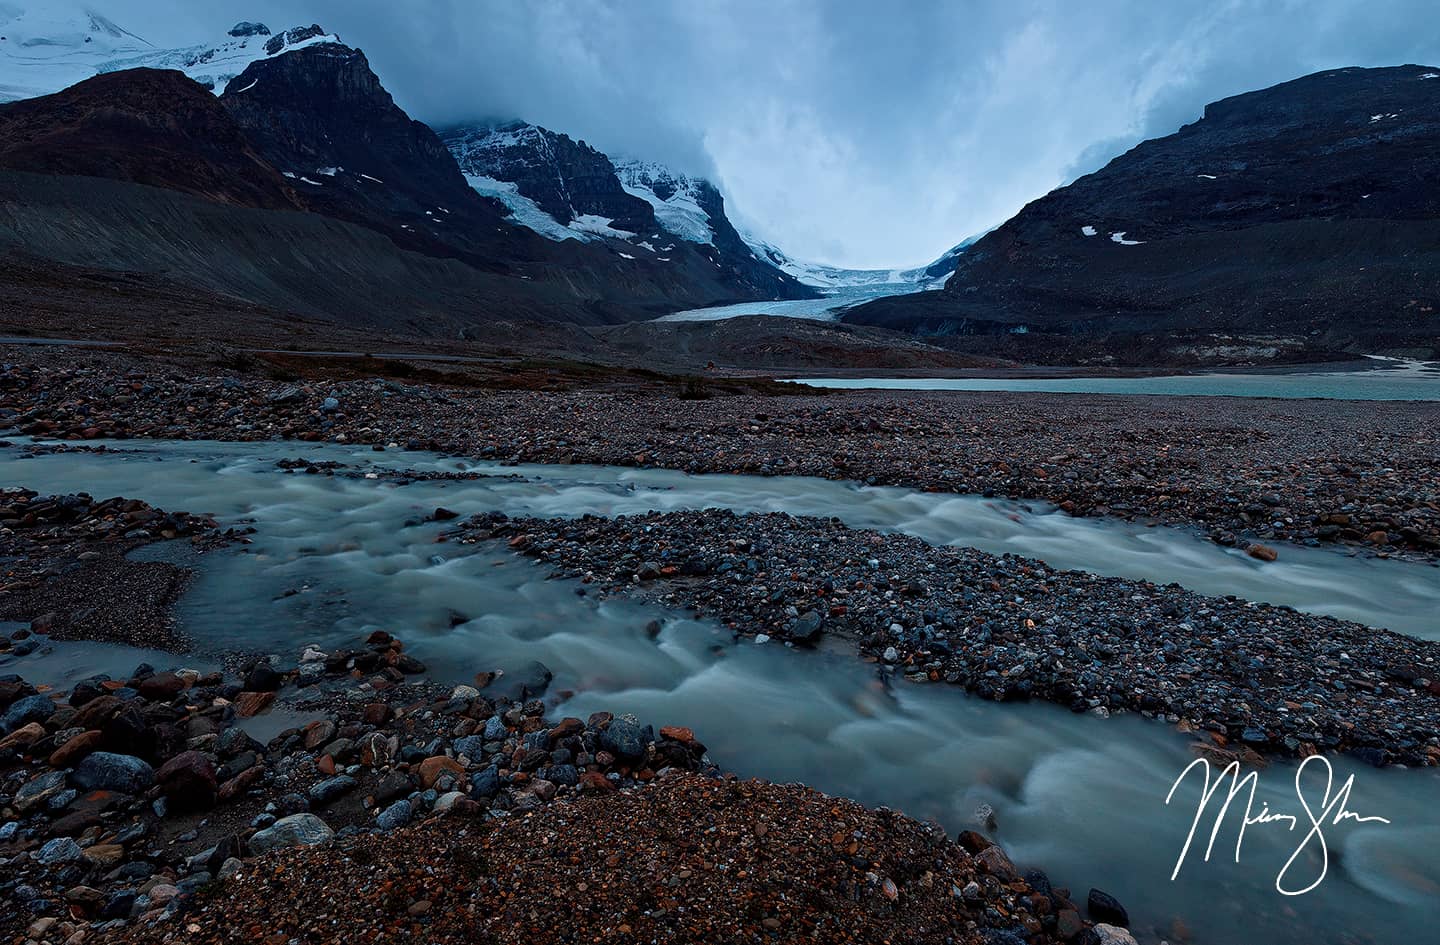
x=107, y=771
x=35, y=708
x=626, y=738
x=1105, y=908
x=263, y=678
x=189, y=781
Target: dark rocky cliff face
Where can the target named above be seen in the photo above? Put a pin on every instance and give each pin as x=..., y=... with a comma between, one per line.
x=313, y=129
x=145, y=126
x=566, y=178
x=1309, y=209
x=322, y=117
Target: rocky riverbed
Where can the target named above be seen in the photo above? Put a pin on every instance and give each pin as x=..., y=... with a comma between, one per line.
x=145, y=803
x=158, y=802
x=1247, y=679
x=67, y=571
x=1324, y=472
x=687, y=859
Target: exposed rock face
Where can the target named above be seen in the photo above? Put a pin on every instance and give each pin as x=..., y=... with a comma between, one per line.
x=146, y=126
x=565, y=178
x=320, y=113
x=1307, y=208
x=244, y=28
x=568, y=191
x=312, y=128
x=322, y=117
x=292, y=37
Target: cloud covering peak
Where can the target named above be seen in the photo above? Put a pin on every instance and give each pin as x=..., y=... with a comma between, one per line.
x=844, y=132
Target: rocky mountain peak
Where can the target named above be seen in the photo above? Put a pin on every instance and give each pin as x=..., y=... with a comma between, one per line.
x=321, y=116
x=294, y=37
x=1302, y=211
x=245, y=28
x=567, y=179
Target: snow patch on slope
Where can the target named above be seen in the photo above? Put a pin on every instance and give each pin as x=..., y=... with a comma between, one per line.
x=526, y=212
x=523, y=210
x=597, y=225
x=678, y=212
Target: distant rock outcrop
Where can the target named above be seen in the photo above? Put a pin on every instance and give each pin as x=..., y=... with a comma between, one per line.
x=145, y=126
x=1308, y=213
x=249, y=29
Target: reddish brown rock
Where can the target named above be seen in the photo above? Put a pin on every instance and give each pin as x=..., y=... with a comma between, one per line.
x=251, y=704
x=76, y=748
x=23, y=737
x=188, y=781
x=593, y=782
x=432, y=768
x=239, y=784
x=161, y=687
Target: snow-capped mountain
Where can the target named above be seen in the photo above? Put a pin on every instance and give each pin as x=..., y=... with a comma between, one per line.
x=49, y=46
x=565, y=189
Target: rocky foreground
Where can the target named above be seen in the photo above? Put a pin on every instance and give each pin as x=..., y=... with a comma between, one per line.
x=1245, y=677
x=143, y=806
x=688, y=859
x=1361, y=474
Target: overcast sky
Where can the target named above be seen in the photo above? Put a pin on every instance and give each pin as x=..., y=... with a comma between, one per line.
x=869, y=134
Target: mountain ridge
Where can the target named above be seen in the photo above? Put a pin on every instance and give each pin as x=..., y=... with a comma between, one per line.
x=1304, y=213
x=564, y=189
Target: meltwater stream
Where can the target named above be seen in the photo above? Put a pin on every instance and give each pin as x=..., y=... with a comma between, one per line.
x=1082, y=797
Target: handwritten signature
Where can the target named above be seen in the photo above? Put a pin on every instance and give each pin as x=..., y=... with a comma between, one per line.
x=1332, y=810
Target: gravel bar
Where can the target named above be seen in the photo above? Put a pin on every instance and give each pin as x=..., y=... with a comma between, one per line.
x=1246, y=677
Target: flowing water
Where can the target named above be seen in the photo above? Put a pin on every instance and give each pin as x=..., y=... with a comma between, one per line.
x=1082, y=797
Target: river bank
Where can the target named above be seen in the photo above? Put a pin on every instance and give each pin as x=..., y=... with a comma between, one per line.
x=1360, y=475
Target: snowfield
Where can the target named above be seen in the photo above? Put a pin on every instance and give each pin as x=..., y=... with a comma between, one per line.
x=50, y=45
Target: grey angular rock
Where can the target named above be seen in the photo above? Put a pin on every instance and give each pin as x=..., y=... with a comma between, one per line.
x=331, y=788
x=626, y=738
x=293, y=831
x=396, y=815
x=36, y=708
x=59, y=850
